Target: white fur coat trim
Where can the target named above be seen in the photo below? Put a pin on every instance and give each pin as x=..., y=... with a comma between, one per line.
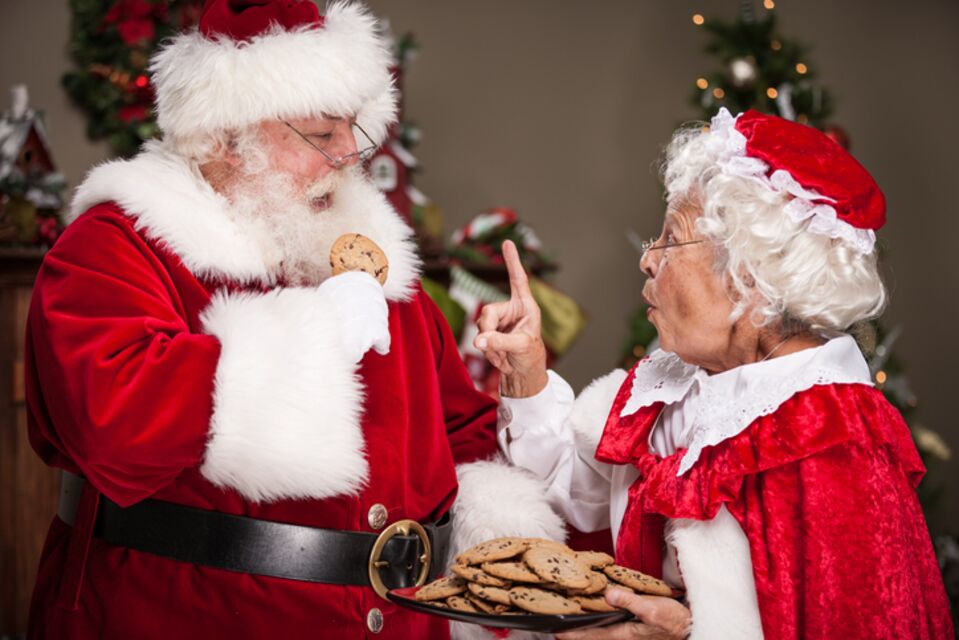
x=172, y=203
x=587, y=418
x=204, y=85
x=717, y=569
x=287, y=402
x=497, y=499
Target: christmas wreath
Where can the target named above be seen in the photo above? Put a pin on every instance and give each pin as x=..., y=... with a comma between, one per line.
x=111, y=42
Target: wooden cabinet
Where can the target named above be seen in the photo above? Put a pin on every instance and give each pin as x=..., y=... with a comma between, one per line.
x=28, y=488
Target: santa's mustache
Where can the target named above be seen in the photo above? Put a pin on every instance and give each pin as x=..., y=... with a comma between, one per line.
x=325, y=185
x=320, y=193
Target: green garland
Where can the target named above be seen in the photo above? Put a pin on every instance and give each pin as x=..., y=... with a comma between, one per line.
x=111, y=42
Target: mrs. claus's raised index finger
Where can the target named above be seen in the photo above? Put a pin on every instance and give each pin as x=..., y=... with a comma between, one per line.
x=518, y=282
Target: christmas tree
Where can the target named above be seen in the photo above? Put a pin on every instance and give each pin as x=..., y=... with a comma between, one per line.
x=759, y=69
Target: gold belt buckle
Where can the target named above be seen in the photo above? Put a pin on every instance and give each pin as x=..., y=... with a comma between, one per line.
x=401, y=528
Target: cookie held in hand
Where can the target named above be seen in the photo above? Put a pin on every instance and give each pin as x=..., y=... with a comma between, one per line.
x=356, y=252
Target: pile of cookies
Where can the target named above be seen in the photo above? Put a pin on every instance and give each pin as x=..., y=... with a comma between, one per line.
x=532, y=575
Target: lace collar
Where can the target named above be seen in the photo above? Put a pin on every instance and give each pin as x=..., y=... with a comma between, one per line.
x=721, y=406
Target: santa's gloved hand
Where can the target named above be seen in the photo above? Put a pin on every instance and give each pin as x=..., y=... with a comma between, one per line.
x=358, y=299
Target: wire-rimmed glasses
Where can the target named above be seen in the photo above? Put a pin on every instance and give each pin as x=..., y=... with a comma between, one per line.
x=650, y=245
x=362, y=155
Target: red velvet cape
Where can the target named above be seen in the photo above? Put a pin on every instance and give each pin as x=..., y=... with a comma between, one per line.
x=824, y=489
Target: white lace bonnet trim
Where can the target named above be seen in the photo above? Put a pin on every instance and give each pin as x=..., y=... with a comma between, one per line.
x=717, y=414
x=729, y=145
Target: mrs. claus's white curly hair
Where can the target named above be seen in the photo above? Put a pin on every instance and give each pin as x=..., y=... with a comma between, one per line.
x=806, y=280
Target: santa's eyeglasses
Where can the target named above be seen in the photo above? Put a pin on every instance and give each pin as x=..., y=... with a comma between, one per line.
x=362, y=155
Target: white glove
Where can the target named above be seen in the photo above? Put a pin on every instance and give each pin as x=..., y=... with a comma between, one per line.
x=358, y=299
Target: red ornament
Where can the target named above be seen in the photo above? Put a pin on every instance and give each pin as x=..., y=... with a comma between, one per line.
x=133, y=19
x=133, y=113
x=48, y=230
x=134, y=32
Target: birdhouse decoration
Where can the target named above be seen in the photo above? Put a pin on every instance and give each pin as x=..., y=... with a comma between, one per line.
x=30, y=187
x=390, y=169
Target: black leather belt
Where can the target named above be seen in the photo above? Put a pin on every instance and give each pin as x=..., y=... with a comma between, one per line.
x=403, y=555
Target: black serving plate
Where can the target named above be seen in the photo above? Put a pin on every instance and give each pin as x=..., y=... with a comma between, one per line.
x=525, y=622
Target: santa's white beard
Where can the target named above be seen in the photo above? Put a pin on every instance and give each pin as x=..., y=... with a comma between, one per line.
x=294, y=236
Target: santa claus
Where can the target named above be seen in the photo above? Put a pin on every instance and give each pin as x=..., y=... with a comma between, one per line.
x=749, y=461
x=253, y=447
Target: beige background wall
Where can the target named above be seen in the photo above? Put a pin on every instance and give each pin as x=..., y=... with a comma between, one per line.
x=558, y=108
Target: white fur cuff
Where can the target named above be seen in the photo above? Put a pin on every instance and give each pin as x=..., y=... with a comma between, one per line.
x=716, y=566
x=587, y=419
x=497, y=499
x=287, y=402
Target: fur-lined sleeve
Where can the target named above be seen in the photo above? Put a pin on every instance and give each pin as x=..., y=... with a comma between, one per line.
x=115, y=377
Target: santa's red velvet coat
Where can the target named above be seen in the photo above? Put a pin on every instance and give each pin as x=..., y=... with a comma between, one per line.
x=824, y=491
x=164, y=361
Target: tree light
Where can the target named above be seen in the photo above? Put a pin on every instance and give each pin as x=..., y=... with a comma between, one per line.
x=719, y=93
x=698, y=19
x=702, y=83
x=881, y=377
x=775, y=45
x=769, y=4
x=772, y=93
x=801, y=68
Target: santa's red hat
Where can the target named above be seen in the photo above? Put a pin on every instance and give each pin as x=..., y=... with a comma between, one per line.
x=824, y=182
x=254, y=60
